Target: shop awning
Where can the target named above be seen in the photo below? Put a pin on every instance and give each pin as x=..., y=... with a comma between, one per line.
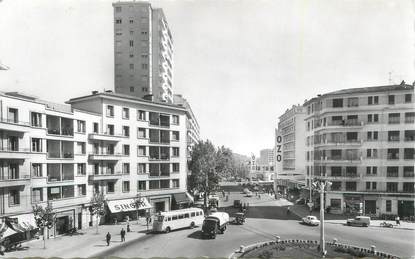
x=126, y=205
x=181, y=198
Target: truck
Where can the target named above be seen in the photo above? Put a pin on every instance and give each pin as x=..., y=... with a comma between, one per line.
x=215, y=223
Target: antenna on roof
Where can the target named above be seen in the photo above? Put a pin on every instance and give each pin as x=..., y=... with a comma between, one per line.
x=390, y=77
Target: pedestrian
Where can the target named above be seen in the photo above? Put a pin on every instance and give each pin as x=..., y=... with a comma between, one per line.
x=128, y=228
x=398, y=220
x=122, y=235
x=108, y=238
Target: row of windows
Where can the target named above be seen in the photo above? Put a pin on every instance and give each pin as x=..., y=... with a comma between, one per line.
x=154, y=117
x=407, y=187
x=183, y=215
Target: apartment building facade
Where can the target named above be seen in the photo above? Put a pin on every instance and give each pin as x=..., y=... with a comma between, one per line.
x=117, y=145
x=143, y=52
x=291, y=129
x=362, y=140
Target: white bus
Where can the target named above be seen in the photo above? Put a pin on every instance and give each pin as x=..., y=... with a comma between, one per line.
x=175, y=219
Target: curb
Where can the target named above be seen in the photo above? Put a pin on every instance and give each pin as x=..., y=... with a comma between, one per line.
x=251, y=247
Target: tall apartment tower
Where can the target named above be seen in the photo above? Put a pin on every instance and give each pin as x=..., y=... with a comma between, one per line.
x=292, y=129
x=362, y=140
x=143, y=52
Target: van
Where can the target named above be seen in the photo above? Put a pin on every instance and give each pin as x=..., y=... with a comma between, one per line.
x=361, y=221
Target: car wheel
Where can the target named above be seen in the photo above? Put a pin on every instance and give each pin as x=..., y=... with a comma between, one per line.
x=168, y=230
x=192, y=225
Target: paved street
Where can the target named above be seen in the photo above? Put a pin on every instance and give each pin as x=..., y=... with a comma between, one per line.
x=266, y=219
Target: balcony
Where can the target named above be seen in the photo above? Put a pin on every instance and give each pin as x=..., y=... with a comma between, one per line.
x=60, y=149
x=101, y=177
x=8, y=182
x=345, y=123
x=105, y=156
x=105, y=137
x=14, y=125
x=14, y=153
x=59, y=126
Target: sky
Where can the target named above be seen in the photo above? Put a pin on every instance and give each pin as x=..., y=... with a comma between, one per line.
x=240, y=63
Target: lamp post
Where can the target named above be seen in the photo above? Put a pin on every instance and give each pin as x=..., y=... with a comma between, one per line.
x=321, y=187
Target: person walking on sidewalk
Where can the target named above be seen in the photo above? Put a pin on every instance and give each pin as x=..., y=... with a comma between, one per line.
x=122, y=235
x=398, y=220
x=108, y=237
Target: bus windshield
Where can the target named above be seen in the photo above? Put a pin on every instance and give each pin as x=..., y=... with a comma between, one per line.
x=160, y=218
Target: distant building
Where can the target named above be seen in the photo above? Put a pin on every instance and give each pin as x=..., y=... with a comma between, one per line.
x=291, y=128
x=143, y=52
x=362, y=140
x=266, y=157
x=262, y=168
x=192, y=126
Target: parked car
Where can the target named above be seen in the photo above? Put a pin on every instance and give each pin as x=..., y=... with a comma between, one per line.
x=300, y=201
x=311, y=220
x=361, y=221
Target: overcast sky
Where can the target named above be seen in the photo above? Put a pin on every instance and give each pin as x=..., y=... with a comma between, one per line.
x=240, y=63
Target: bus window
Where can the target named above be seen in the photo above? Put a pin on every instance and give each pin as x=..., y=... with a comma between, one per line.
x=174, y=217
x=160, y=218
x=192, y=214
x=180, y=216
x=186, y=215
x=169, y=218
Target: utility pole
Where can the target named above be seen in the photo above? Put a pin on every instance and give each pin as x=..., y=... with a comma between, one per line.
x=206, y=188
x=321, y=187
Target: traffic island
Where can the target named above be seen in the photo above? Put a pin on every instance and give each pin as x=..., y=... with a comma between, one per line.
x=305, y=249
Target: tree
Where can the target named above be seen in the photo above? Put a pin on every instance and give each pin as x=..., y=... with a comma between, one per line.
x=45, y=219
x=202, y=165
x=98, y=206
x=138, y=202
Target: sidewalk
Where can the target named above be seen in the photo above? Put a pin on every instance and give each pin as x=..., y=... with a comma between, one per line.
x=84, y=244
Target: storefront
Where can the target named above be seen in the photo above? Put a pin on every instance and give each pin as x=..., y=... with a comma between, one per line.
x=120, y=210
x=353, y=204
x=181, y=200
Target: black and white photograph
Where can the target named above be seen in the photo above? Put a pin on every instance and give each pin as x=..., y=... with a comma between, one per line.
x=207, y=129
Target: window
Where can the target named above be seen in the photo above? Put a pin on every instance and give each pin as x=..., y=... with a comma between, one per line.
x=111, y=187
x=125, y=131
x=392, y=171
x=141, y=115
x=175, y=183
x=141, y=168
x=13, y=115
x=37, y=195
x=337, y=103
x=144, y=66
x=371, y=153
x=371, y=170
x=391, y=187
x=408, y=171
x=81, y=189
x=353, y=102
x=408, y=98
x=336, y=186
x=372, y=135
x=394, y=118
x=131, y=21
x=36, y=145
x=372, y=118
x=141, y=151
x=14, y=197
x=409, y=117
x=81, y=169
x=118, y=21
x=374, y=185
x=393, y=153
x=80, y=148
x=95, y=126
x=164, y=184
x=126, y=150
x=126, y=186
x=176, y=167
x=144, y=32
x=125, y=113
x=388, y=206
x=175, y=120
x=373, y=100
x=409, y=153
x=154, y=184
x=110, y=129
x=36, y=119
x=68, y=191
x=393, y=135
x=144, y=89
x=175, y=151
x=408, y=187
x=175, y=135
x=118, y=9
x=126, y=168
x=141, y=133
x=81, y=126
x=131, y=66
x=131, y=32
x=335, y=203
x=131, y=89
x=367, y=185
x=351, y=186
x=37, y=170
x=141, y=185
x=391, y=99
x=409, y=135
x=110, y=111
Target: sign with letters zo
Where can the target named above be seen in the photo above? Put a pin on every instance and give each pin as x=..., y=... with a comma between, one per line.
x=126, y=205
x=278, y=152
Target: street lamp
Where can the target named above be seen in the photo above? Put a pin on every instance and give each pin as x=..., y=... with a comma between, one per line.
x=321, y=187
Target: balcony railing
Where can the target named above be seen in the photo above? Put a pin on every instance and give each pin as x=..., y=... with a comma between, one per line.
x=13, y=121
x=63, y=132
x=345, y=123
